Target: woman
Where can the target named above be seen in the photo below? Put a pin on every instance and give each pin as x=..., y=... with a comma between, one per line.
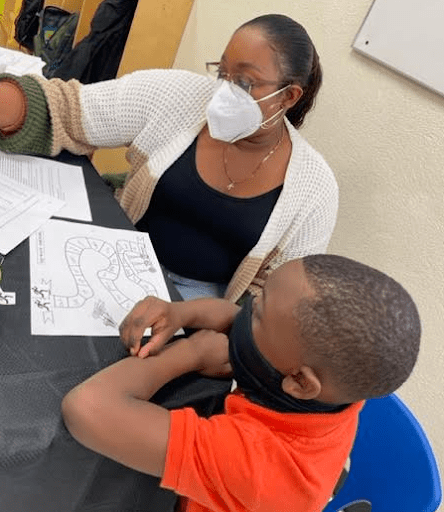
x=221, y=179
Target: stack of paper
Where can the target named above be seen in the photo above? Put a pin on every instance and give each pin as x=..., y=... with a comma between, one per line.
x=22, y=211
x=33, y=190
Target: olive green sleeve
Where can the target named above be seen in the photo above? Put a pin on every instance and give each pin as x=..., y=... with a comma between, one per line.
x=35, y=136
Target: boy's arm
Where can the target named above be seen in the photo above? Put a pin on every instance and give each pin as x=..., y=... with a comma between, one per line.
x=166, y=318
x=109, y=413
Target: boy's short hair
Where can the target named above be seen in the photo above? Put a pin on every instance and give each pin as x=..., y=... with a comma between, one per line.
x=363, y=326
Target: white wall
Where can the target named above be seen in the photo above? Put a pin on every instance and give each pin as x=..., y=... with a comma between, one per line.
x=383, y=136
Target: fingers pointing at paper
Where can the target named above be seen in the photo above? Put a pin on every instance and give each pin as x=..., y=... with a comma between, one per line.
x=166, y=318
x=161, y=316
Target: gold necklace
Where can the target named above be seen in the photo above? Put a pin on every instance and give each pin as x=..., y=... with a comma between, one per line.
x=266, y=157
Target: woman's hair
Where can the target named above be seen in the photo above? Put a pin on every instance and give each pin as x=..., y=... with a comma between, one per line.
x=297, y=58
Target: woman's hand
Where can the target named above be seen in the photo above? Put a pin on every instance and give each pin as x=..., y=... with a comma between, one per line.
x=163, y=318
x=12, y=107
x=212, y=352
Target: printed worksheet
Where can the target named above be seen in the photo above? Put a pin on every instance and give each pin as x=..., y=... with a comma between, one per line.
x=56, y=179
x=22, y=211
x=85, y=279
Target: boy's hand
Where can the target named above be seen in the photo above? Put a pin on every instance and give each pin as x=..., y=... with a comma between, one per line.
x=161, y=316
x=212, y=352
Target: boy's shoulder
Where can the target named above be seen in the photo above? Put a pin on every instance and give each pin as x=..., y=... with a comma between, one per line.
x=239, y=407
x=236, y=452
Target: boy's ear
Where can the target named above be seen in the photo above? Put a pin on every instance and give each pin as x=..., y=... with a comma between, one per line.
x=302, y=384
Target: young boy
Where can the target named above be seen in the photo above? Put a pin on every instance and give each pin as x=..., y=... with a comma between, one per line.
x=326, y=334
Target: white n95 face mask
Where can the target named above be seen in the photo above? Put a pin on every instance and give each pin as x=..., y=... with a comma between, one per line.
x=233, y=113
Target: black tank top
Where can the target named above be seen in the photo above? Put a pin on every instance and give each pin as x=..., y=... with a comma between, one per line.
x=197, y=231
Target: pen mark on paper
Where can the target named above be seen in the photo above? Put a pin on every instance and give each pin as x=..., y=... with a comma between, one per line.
x=99, y=311
x=7, y=298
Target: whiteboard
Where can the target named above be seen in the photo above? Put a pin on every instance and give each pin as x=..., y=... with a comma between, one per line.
x=407, y=36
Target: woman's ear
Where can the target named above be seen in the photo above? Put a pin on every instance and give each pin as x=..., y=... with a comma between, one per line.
x=293, y=95
x=303, y=384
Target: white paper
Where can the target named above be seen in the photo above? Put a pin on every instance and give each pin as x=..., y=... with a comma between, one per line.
x=7, y=298
x=63, y=181
x=19, y=63
x=85, y=279
x=22, y=211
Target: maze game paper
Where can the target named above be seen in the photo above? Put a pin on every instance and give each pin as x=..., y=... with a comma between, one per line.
x=85, y=279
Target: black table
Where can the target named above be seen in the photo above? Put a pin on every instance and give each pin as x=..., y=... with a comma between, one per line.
x=42, y=468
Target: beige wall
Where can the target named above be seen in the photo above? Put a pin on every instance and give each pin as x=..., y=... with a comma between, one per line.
x=383, y=136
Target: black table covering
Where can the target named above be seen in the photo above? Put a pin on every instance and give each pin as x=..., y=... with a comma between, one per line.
x=42, y=468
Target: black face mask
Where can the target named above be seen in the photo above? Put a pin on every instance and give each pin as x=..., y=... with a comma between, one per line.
x=255, y=376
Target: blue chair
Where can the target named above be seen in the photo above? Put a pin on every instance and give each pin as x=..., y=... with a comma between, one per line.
x=392, y=463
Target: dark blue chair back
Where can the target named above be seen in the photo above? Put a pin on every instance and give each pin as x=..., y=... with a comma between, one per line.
x=392, y=463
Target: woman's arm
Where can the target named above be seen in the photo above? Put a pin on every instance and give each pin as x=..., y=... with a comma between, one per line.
x=24, y=117
x=12, y=107
x=146, y=109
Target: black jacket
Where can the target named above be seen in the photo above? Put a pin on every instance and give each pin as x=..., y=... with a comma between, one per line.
x=97, y=56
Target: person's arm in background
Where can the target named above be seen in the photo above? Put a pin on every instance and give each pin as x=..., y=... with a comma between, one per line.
x=166, y=318
x=110, y=413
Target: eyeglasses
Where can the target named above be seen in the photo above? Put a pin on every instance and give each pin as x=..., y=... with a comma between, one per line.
x=247, y=84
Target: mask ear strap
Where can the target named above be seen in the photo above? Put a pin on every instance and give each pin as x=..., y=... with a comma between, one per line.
x=273, y=94
x=265, y=124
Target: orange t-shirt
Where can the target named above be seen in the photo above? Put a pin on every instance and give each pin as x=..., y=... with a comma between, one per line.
x=255, y=459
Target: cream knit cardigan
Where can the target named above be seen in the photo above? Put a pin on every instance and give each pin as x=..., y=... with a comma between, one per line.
x=157, y=114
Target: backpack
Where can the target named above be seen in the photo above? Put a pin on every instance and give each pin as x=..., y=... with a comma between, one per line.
x=27, y=23
x=54, y=38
